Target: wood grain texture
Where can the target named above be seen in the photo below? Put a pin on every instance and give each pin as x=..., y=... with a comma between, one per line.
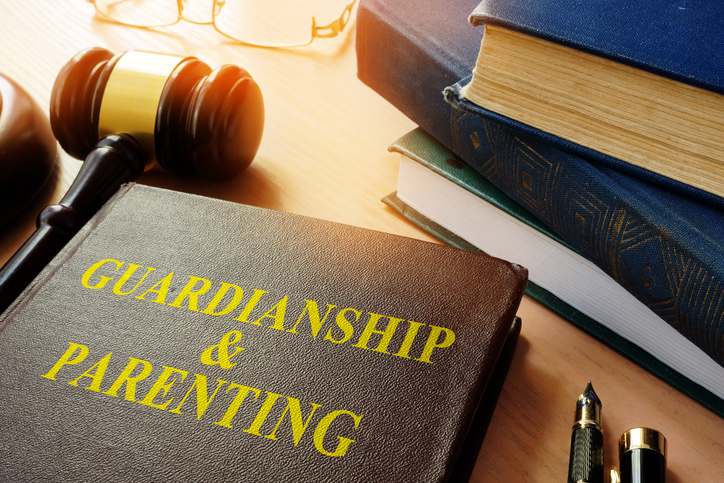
x=324, y=154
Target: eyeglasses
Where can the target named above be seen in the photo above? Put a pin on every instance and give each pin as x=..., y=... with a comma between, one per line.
x=264, y=23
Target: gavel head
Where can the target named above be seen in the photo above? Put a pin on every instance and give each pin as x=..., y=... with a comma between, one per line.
x=187, y=118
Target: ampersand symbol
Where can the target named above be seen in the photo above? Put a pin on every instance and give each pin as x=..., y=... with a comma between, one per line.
x=222, y=351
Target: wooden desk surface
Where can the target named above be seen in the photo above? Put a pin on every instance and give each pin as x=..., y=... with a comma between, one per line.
x=324, y=155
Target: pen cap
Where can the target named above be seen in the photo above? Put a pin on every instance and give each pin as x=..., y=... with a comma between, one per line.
x=642, y=456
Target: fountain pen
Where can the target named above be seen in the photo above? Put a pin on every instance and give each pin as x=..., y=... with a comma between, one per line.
x=586, y=461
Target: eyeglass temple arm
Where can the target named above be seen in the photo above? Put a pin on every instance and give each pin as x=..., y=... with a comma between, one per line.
x=334, y=28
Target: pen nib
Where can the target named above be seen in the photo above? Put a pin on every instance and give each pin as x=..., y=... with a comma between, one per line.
x=588, y=409
x=590, y=395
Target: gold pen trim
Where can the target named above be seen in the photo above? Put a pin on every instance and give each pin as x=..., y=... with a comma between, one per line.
x=587, y=423
x=642, y=438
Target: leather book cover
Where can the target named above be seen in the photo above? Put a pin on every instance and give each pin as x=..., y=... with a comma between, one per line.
x=178, y=337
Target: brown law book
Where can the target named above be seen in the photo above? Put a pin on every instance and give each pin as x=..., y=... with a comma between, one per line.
x=178, y=337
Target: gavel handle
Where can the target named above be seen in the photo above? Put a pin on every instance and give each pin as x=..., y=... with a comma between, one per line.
x=115, y=160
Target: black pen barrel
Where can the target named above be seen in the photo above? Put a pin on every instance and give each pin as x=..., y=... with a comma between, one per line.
x=586, y=461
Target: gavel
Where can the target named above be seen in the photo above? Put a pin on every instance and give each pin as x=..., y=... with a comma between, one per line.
x=128, y=113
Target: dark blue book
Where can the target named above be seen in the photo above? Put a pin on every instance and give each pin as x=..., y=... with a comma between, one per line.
x=663, y=247
x=636, y=86
x=681, y=40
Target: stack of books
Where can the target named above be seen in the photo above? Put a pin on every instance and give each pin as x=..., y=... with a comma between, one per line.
x=599, y=124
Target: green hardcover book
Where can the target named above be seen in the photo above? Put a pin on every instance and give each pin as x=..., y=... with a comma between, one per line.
x=453, y=202
x=181, y=338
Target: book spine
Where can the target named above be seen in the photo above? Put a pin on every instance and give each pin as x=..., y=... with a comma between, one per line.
x=389, y=57
x=648, y=248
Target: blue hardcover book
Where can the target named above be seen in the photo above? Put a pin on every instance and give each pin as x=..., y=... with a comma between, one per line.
x=663, y=247
x=678, y=39
x=636, y=86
